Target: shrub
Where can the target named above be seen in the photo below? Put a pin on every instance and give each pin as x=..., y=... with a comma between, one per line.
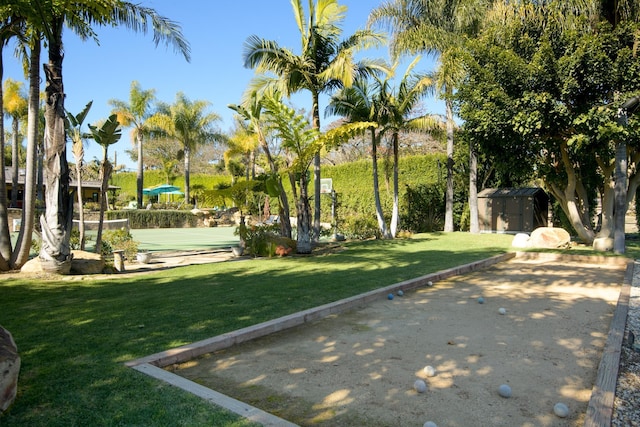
x=119, y=240
x=262, y=240
x=360, y=227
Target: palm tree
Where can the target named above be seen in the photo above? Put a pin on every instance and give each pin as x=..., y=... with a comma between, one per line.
x=357, y=104
x=135, y=114
x=20, y=255
x=50, y=18
x=437, y=27
x=250, y=111
x=74, y=125
x=324, y=64
x=187, y=122
x=302, y=142
x=15, y=106
x=106, y=135
x=397, y=114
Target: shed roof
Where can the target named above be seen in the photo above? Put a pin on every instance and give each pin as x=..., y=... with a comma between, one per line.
x=510, y=192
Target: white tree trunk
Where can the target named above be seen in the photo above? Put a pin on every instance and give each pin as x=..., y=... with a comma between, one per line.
x=448, y=215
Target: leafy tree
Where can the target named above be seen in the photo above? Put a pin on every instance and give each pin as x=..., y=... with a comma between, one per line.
x=189, y=123
x=107, y=134
x=547, y=96
x=324, y=64
x=135, y=114
x=15, y=106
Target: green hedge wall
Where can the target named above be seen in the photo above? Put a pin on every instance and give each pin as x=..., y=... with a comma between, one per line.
x=141, y=218
x=353, y=183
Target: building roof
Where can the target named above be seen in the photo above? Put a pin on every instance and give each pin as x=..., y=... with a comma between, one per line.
x=8, y=179
x=511, y=192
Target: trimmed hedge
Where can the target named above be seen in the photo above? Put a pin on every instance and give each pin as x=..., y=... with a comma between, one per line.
x=141, y=218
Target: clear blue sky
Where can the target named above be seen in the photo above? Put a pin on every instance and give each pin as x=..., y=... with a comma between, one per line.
x=216, y=31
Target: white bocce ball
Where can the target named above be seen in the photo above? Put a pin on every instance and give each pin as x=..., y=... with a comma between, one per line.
x=561, y=410
x=429, y=283
x=504, y=390
x=429, y=371
x=429, y=424
x=502, y=310
x=420, y=386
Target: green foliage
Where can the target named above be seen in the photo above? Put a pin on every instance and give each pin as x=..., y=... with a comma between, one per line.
x=263, y=240
x=141, y=218
x=119, y=240
x=424, y=208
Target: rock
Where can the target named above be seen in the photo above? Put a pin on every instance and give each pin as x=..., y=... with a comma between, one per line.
x=9, y=369
x=87, y=263
x=603, y=244
x=549, y=238
x=520, y=240
x=32, y=266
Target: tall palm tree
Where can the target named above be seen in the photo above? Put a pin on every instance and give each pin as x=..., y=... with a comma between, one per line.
x=135, y=114
x=188, y=123
x=357, y=104
x=437, y=27
x=324, y=64
x=20, y=255
x=398, y=114
x=11, y=25
x=50, y=18
x=15, y=106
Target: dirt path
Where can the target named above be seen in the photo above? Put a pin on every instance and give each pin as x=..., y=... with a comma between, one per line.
x=359, y=368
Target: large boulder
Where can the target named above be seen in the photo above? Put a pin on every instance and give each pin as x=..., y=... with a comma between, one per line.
x=549, y=238
x=9, y=369
x=87, y=263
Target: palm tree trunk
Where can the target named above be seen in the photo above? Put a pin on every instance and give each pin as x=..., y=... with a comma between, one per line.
x=474, y=227
x=80, y=207
x=15, y=164
x=23, y=245
x=283, y=207
x=105, y=173
x=448, y=215
x=316, y=173
x=304, y=218
x=395, y=213
x=187, y=168
x=382, y=225
x=55, y=254
x=140, y=174
x=5, y=237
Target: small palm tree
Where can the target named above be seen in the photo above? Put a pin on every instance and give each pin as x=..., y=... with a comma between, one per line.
x=107, y=134
x=250, y=111
x=302, y=142
x=186, y=122
x=74, y=125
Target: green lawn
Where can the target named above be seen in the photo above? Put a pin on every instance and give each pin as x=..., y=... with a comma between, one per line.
x=74, y=334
